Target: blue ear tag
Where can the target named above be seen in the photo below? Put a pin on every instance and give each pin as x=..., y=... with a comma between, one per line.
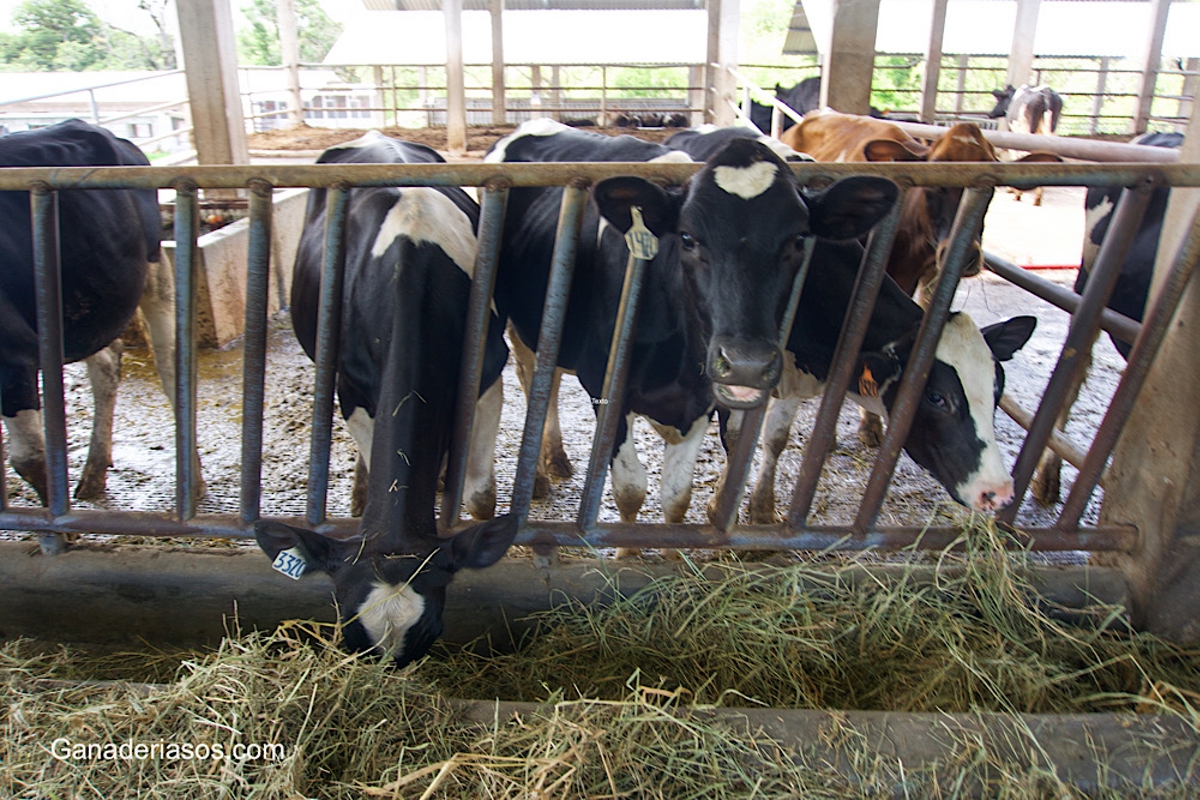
x=290, y=563
x=642, y=242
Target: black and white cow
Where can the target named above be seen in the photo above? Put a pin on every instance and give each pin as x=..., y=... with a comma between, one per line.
x=1129, y=293
x=730, y=242
x=410, y=254
x=952, y=435
x=705, y=141
x=1029, y=109
x=108, y=239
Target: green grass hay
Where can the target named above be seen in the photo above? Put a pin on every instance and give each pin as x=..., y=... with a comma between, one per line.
x=619, y=686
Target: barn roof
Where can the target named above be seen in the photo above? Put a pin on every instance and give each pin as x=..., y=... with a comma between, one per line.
x=984, y=27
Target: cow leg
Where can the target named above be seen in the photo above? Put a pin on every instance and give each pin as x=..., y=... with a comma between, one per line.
x=104, y=375
x=777, y=428
x=679, y=472
x=158, y=311
x=870, y=428
x=479, y=489
x=628, y=480
x=27, y=449
x=358, y=492
x=552, y=460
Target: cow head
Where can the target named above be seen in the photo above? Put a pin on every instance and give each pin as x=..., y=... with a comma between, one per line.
x=739, y=226
x=953, y=435
x=390, y=601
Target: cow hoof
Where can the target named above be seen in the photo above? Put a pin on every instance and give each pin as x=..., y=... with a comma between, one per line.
x=559, y=466
x=673, y=555
x=628, y=552
x=482, y=504
x=762, y=513
x=1046, y=487
x=541, y=485
x=92, y=484
x=871, y=433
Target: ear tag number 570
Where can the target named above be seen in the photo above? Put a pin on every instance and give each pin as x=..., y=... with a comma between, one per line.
x=642, y=243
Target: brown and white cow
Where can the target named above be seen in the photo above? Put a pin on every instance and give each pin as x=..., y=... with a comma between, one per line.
x=926, y=214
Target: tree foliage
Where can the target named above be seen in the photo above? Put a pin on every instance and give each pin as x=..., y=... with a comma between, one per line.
x=68, y=36
x=259, y=42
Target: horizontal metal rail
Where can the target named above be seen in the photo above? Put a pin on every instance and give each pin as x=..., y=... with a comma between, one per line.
x=797, y=533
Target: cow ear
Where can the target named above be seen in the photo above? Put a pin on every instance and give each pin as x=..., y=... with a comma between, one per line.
x=875, y=372
x=660, y=207
x=479, y=546
x=1006, y=338
x=320, y=553
x=850, y=207
x=891, y=150
x=1040, y=157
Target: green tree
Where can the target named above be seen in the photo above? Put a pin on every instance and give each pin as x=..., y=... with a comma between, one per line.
x=57, y=35
x=259, y=43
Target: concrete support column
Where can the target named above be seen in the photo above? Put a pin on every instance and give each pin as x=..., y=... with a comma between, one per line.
x=1020, y=56
x=1154, y=480
x=1159, y=9
x=720, y=85
x=499, y=95
x=456, y=93
x=210, y=62
x=850, y=62
x=933, y=63
x=289, y=46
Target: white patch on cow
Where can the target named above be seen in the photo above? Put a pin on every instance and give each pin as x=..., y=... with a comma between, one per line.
x=782, y=150
x=679, y=466
x=746, y=182
x=388, y=613
x=362, y=428
x=963, y=348
x=366, y=140
x=426, y=215
x=707, y=128
x=628, y=476
x=543, y=126
x=1092, y=218
x=969, y=140
x=479, y=483
x=673, y=157
x=25, y=442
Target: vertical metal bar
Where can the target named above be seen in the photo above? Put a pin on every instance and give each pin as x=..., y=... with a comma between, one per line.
x=737, y=469
x=48, y=293
x=841, y=372
x=186, y=257
x=483, y=282
x=966, y=222
x=329, y=328
x=1085, y=322
x=554, y=312
x=1154, y=330
x=612, y=394
x=254, y=352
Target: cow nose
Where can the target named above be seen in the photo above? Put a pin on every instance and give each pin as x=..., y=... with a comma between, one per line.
x=743, y=371
x=994, y=499
x=974, y=257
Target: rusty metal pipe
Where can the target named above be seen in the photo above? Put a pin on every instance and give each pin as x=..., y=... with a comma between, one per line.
x=970, y=214
x=1131, y=207
x=187, y=256
x=329, y=333
x=823, y=437
x=1154, y=330
x=254, y=349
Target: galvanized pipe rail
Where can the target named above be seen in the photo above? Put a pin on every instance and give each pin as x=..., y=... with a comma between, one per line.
x=795, y=534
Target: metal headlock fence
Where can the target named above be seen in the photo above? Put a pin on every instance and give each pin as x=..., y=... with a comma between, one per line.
x=725, y=530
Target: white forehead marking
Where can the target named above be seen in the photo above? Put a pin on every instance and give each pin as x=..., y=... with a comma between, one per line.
x=388, y=613
x=746, y=182
x=426, y=215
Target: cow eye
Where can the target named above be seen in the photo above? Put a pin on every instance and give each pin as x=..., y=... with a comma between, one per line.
x=688, y=241
x=936, y=400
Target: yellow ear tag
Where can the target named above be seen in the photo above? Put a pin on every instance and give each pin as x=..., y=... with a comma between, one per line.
x=641, y=242
x=867, y=387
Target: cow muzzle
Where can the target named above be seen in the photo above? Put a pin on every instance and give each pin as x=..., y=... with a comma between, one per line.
x=974, y=257
x=743, y=372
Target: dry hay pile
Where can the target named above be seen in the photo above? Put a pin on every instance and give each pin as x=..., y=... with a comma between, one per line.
x=624, y=697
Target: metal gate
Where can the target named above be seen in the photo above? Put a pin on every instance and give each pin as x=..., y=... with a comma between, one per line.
x=494, y=180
